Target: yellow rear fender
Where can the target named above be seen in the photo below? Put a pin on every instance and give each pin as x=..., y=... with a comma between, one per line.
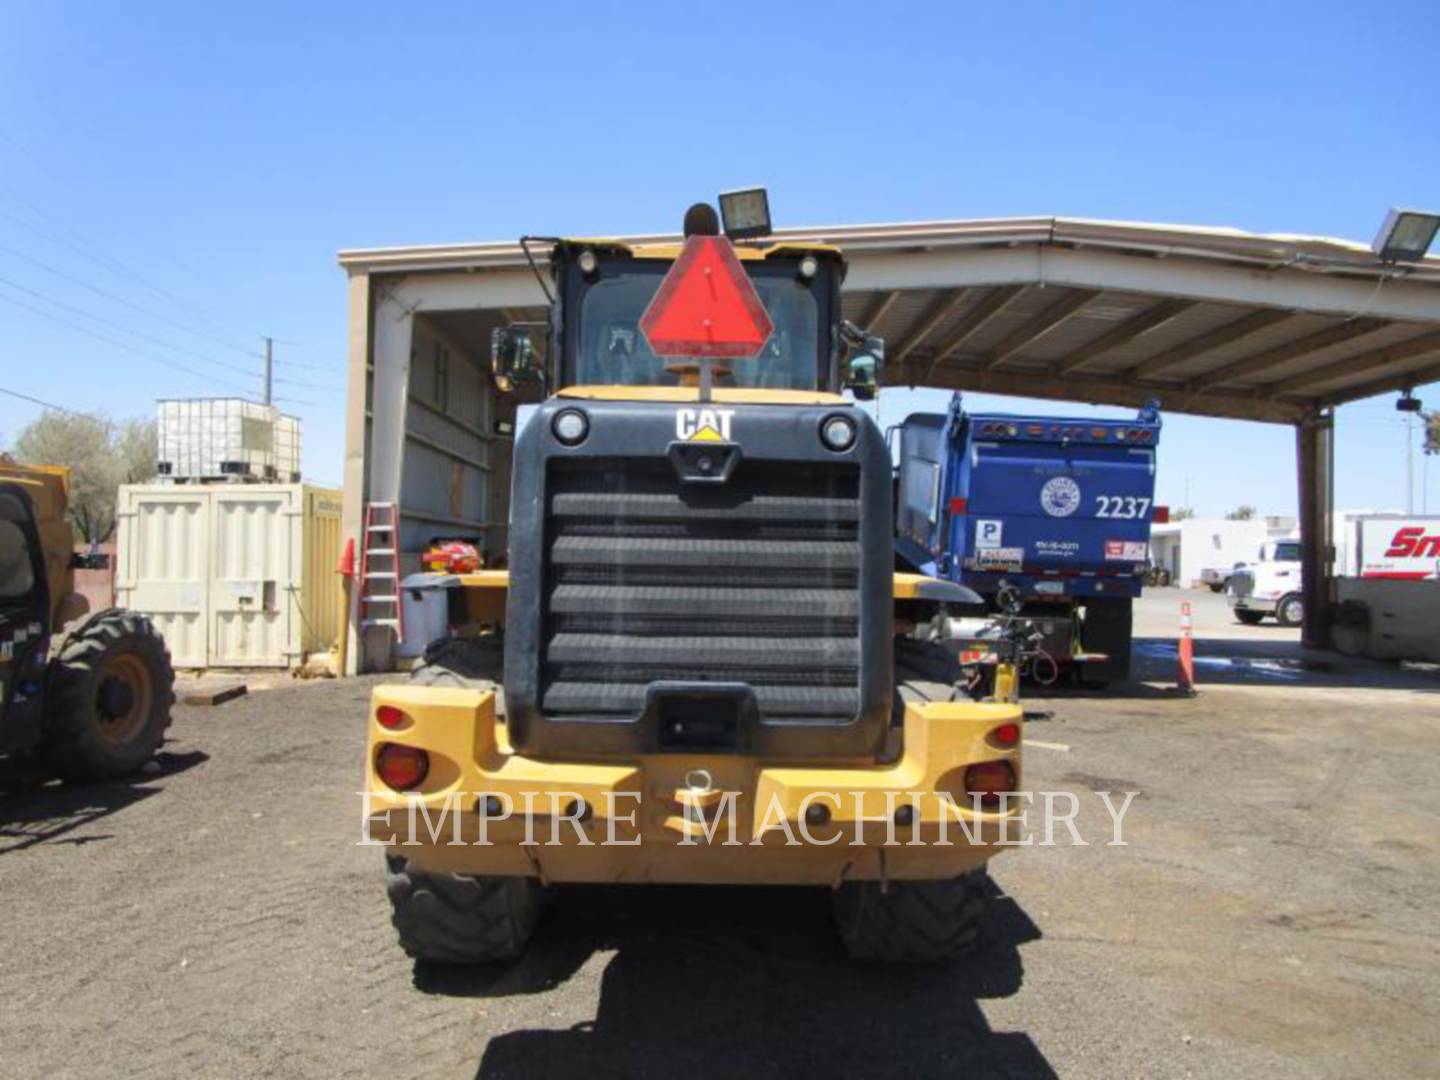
x=665, y=799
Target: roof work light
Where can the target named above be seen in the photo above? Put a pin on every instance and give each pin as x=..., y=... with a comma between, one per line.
x=1405, y=235
x=746, y=213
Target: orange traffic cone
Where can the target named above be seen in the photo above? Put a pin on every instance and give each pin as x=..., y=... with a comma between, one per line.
x=1186, y=684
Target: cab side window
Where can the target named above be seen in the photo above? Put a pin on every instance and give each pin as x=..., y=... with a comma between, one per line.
x=17, y=560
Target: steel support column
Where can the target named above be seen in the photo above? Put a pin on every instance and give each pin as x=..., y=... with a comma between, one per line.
x=1315, y=453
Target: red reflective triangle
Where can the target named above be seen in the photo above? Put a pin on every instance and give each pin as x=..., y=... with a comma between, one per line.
x=706, y=306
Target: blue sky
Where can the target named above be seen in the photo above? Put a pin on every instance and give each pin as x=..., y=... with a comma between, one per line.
x=190, y=170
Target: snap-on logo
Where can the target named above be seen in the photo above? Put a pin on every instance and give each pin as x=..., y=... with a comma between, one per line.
x=1413, y=543
x=703, y=425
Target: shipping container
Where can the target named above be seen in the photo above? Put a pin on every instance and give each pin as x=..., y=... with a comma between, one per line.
x=233, y=575
x=226, y=438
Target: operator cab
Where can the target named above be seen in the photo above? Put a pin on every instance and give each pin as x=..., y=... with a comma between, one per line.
x=603, y=289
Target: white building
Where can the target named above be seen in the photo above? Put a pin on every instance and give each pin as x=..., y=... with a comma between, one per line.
x=1187, y=547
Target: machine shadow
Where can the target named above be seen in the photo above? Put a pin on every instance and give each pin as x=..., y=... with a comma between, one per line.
x=34, y=809
x=752, y=981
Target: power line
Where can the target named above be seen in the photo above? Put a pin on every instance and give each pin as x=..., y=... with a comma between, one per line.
x=120, y=344
x=118, y=326
x=77, y=243
x=82, y=312
x=331, y=368
x=116, y=298
x=37, y=401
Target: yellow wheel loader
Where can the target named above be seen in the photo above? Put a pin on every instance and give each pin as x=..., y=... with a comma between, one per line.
x=89, y=692
x=707, y=669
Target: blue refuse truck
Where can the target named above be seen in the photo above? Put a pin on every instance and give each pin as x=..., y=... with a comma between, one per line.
x=1047, y=518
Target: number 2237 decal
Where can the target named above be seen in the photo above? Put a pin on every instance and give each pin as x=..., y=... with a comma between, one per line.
x=1121, y=506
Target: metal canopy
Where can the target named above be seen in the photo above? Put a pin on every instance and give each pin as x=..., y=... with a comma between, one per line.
x=1215, y=322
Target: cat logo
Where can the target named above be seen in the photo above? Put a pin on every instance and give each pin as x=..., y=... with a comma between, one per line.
x=703, y=425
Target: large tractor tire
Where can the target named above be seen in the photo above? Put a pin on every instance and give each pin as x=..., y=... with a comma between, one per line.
x=460, y=918
x=468, y=662
x=1108, y=628
x=924, y=671
x=914, y=922
x=110, y=689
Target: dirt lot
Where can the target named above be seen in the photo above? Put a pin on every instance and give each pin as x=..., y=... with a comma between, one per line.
x=1273, y=913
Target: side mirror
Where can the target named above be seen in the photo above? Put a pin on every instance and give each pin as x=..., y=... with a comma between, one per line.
x=513, y=357
x=862, y=367
x=863, y=376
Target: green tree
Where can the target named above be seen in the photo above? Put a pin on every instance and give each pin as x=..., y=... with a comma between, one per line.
x=1432, y=432
x=1182, y=513
x=100, y=453
x=1241, y=513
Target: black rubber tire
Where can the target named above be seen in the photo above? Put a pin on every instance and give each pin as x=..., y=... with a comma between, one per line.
x=912, y=922
x=925, y=671
x=1217, y=586
x=461, y=661
x=1109, y=628
x=915, y=922
x=1284, y=616
x=1250, y=618
x=77, y=745
x=460, y=918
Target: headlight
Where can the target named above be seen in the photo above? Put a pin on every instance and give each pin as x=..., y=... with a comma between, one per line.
x=570, y=426
x=838, y=433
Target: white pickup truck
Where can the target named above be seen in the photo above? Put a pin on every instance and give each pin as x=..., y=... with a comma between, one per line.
x=1269, y=586
x=1217, y=577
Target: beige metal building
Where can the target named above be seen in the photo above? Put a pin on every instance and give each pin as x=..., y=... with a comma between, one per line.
x=1214, y=322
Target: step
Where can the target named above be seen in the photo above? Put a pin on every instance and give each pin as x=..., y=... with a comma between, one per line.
x=380, y=551
x=380, y=599
x=393, y=623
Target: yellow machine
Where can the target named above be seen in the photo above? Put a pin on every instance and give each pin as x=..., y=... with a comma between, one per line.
x=89, y=691
x=711, y=672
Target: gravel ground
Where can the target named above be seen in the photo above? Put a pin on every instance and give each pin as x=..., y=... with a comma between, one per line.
x=1273, y=912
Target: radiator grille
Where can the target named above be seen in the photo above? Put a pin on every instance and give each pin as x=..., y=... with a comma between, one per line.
x=755, y=581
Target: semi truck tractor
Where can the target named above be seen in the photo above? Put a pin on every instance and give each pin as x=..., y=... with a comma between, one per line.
x=1392, y=545
x=711, y=670
x=1046, y=517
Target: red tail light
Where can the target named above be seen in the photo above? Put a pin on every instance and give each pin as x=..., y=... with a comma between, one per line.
x=1006, y=735
x=391, y=717
x=989, y=779
x=402, y=767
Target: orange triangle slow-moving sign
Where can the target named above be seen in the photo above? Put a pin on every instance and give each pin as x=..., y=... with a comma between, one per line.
x=706, y=306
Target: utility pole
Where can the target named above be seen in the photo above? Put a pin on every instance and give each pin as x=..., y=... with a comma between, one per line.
x=269, y=345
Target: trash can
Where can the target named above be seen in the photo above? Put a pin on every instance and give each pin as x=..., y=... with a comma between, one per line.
x=425, y=599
